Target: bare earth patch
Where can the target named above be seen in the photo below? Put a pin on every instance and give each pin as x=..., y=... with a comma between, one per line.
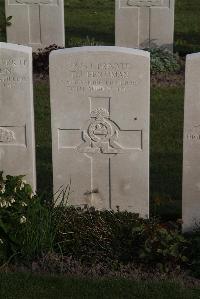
x=168, y=79
x=67, y=266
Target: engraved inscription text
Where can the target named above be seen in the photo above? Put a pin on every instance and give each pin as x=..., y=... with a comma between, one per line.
x=13, y=71
x=99, y=77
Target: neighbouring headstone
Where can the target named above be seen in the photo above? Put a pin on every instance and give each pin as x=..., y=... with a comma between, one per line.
x=17, y=142
x=100, y=125
x=36, y=23
x=144, y=23
x=191, y=147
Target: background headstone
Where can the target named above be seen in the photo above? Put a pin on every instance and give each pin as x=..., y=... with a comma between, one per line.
x=17, y=143
x=100, y=126
x=191, y=148
x=144, y=23
x=36, y=23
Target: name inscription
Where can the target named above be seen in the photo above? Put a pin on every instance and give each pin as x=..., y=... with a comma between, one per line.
x=13, y=72
x=99, y=77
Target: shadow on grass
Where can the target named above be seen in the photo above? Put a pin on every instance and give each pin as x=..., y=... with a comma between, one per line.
x=186, y=43
x=2, y=25
x=44, y=170
x=166, y=185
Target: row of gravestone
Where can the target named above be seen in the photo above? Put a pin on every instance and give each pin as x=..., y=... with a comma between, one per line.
x=139, y=23
x=100, y=99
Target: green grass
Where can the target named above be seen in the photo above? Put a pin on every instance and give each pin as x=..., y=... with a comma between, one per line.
x=43, y=138
x=90, y=20
x=23, y=286
x=166, y=149
x=95, y=19
x=187, y=26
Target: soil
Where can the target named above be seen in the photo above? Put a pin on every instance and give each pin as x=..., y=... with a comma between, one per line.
x=168, y=79
x=63, y=265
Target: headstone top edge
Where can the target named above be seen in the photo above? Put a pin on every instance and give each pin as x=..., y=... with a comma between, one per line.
x=172, y=3
x=193, y=56
x=16, y=47
x=101, y=49
x=60, y=2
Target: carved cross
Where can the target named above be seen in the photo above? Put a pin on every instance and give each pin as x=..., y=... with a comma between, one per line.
x=144, y=14
x=100, y=139
x=34, y=17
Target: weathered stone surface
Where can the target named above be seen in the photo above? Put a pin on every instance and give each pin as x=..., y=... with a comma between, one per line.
x=17, y=144
x=36, y=23
x=100, y=126
x=144, y=23
x=191, y=148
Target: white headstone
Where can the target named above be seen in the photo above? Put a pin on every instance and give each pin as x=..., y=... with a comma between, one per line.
x=144, y=23
x=17, y=143
x=36, y=23
x=100, y=126
x=191, y=147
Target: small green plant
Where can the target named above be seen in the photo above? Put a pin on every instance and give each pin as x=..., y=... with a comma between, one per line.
x=28, y=223
x=163, y=61
x=42, y=225
x=15, y=196
x=163, y=246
